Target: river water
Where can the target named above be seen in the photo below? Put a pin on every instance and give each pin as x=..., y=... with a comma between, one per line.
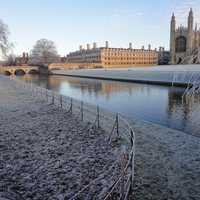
x=159, y=104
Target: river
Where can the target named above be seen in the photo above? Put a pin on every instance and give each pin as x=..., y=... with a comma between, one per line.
x=159, y=104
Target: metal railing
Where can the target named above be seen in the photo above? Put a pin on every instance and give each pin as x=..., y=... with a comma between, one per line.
x=118, y=129
x=191, y=95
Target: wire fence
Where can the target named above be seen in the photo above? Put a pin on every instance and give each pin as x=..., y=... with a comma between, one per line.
x=191, y=94
x=118, y=130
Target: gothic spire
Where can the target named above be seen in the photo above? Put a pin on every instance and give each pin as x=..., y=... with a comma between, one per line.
x=191, y=13
x=190, y=20
x=173, y=16
x=196, y=27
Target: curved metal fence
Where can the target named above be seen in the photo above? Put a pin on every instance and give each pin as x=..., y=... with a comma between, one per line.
x=118, y=129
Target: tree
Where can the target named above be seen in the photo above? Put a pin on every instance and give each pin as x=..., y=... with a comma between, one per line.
x=10, y=60
x=4, y=42
x=44, y=53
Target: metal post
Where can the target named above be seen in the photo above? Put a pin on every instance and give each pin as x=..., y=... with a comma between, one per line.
x=122, y=179
x=98, y=120
x=81, y=110
x=61, y=101
x=132, y=159
x=71, y=106
x=117, y=124
x=52, y=97
x=47, y=95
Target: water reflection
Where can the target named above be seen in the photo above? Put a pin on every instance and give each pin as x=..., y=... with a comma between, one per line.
x=176, y=106
x=157, y=104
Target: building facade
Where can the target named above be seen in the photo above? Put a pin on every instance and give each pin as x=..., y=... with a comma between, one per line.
x=22, y=60
x=163, y=56
x=184, y=41
x=107, y=57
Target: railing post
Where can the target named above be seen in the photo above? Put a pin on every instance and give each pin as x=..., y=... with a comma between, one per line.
x=132, y=159
x=117, y=124
x=71, y=106
x=81, y=110
x=47, y=95
x=61, y=101
x=123, y=163
x=98, y=118
x=52, y=97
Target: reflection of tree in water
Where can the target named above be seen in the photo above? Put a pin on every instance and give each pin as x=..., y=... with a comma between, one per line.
x=36, y=79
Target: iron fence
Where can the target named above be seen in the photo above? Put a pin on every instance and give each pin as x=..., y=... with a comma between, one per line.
x=118, y=129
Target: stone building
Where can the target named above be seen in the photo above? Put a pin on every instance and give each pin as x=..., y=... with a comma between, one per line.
x=114, y=57
x=163, y=56
x=22, y=60
x=184, y=42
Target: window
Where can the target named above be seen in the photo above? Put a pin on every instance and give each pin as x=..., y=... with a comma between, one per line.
x=180, y=44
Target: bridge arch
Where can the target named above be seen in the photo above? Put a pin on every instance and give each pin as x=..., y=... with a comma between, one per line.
x=19, y=72
x=7, y=73
x=33, y=71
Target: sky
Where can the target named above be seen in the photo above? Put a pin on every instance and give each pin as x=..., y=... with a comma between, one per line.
x=70, y=23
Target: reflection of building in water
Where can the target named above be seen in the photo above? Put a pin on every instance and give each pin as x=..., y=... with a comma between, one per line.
x=97, y=87
x=176, y=104
x=107, y=88
x=114, y=57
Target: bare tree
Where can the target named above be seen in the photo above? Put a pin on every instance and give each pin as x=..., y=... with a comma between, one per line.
x=4, y=42
x=10, y=60
x=44, y=52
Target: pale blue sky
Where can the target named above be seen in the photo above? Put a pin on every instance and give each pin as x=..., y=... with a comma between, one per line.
x=72, y=22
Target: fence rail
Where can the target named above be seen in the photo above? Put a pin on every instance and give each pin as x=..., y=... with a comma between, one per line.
x=117, y=127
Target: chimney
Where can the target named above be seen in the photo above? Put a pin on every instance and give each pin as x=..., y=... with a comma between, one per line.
x=130, y=46
x=88, y=46
x=80, y=47
x=107, y=45
x=149, y=47
x=94, y=45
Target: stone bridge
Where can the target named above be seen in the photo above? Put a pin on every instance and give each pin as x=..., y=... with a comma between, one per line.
x=18, y=70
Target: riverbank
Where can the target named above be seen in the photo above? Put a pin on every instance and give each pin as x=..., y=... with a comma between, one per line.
x=47, y=153
x=44, y=152
x=158, y=75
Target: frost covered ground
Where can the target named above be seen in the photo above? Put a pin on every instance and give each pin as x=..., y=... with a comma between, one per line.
x=167, y=163
x=46, y=153
x=155, y=74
